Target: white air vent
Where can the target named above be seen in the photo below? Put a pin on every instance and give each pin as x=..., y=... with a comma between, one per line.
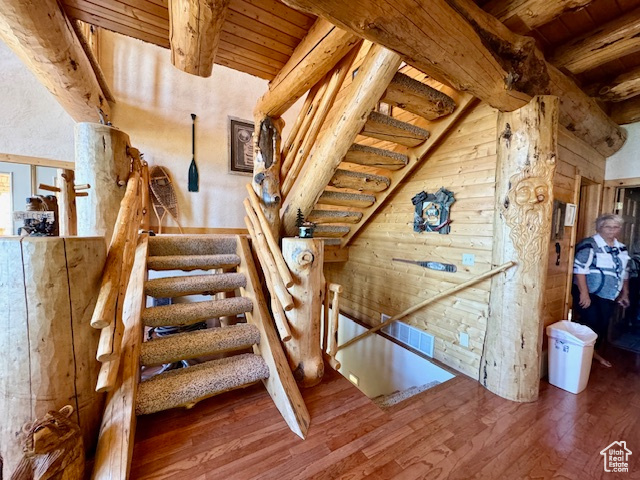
x=413, y=337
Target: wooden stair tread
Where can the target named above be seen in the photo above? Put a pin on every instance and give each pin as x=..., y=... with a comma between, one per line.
x=417, y=97
x=384, y=127
x=332, y=231
x=346, y=199
x=180, y=314
x=198, y=344
x=359, y=181
x=170, y=287
x=186, y=386
x=192, y=262
x=165, y=245
x=334, y=216
x=375, y=157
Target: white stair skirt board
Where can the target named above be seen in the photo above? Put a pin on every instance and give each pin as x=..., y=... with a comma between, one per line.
x=380, y=366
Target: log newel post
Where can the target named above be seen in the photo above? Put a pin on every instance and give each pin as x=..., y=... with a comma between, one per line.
x=67, y=203
x=102, y=162
x=266, y=169
x=305, y=258
x=527, y=152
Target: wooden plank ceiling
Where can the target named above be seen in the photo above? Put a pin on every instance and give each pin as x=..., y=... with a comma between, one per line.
x=594, y=43
x=258, y=36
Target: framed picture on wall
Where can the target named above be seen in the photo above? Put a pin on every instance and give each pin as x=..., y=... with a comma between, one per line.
x=240, y=146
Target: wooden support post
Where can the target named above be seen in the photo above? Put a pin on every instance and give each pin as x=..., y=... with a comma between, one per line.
x=44, y=39
x=144, y=198
x=266, y=169
x=377, y=70
x=194, y=33
x=304, y=256
x=48, y=287
x=332, y=327
x=527, y=152
x=102, y=162
x=67, y=203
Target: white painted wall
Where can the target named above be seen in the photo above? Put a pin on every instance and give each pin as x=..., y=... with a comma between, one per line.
x=154, y=105
x=625, y=163
x=381, y=366
x=32, y=122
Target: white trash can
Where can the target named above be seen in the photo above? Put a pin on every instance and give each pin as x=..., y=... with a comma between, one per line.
x=570, y=355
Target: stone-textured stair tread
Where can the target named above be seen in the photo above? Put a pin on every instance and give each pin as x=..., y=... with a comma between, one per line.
x=360, y=200
x=186, y=386
x=163, y=245
x=199, y=344
x=193, y=262
x=331, y=230
x=334, y=216
x=417, y=97
x=330, y=241
x=375, y=157
x=384, y=127
x=359, y=181
x=180, y=314
x=170, y=287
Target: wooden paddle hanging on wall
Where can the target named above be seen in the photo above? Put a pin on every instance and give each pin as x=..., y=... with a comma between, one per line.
x=193, y=168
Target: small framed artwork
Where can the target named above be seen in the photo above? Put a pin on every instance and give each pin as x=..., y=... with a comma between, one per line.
x=570, y=216
x=240, y=146
x=558, y=220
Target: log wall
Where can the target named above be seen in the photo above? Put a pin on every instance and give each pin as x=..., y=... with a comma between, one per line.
x=373, y=284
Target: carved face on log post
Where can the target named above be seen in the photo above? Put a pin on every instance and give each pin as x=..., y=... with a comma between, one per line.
x=526, y=211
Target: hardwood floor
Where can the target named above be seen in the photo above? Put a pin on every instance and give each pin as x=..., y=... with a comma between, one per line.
x=457, y=430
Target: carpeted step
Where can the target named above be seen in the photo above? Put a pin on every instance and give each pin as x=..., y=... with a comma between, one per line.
x=193, y=262
x=358, y=200
x=181, y=314
x=200, y=343
x=171, y=287
x=186, y=386
x=375, y=157
x=332, y=231
x=384, y=127
x=165, y=245
x=417, y=97
x=359, y=181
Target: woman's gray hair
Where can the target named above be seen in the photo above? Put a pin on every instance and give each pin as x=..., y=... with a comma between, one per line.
x=608, y=217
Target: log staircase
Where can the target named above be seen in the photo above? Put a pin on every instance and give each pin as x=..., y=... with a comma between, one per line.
x=368, y=162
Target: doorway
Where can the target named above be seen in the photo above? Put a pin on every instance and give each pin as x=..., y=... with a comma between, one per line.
x=624, y=331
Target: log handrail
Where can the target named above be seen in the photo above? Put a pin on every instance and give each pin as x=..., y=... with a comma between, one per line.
x=426, y=302
x=331, y=325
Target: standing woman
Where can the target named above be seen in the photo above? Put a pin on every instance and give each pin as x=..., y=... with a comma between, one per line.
x=600, y=278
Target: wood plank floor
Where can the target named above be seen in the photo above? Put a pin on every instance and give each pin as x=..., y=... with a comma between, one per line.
x=457, y=430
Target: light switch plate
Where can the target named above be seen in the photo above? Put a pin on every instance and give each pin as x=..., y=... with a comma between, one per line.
x=468, y=259
x=464, y=339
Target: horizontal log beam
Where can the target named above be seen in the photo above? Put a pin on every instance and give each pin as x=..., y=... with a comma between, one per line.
x=605, y=43
x=627, y=111
x=316, y=55
x=44, y=39
x=522, y=16
x=38, y=161
x=459, y=44
x=621, y=88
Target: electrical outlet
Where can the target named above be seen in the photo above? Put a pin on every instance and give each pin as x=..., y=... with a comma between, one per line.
x=384, y=317
x=464, y=339
x=468, y=259
x=355, y=380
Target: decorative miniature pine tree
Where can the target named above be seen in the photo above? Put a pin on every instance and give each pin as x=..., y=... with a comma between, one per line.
x=299, y=219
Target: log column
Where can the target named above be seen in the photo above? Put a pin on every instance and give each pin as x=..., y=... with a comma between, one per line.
x=266, y=169
x=103, y=163
x=67, y=203
x=305, y=257
x=48, y=288
x=527, y=152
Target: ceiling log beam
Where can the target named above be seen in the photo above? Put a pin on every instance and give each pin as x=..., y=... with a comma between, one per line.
x=627, y=111
x=522, y=16
x=459, y=44
x=44, y=39
x=607, y=42
x=621, y=88
x=194, y=33
x=316, y=55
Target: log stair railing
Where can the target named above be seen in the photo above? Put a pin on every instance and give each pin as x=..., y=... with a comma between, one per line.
x=247, y=352
x=366, y=174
